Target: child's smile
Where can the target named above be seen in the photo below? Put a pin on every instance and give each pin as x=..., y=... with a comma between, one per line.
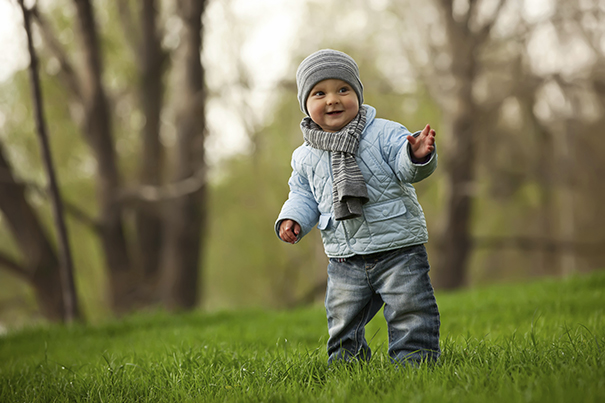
x=332, y=104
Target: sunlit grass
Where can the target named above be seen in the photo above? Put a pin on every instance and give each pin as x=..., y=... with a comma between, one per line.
x=539, y=342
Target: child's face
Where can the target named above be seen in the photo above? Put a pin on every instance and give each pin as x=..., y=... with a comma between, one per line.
x=332, y=104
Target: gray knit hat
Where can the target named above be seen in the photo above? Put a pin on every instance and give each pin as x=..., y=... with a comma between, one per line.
x=322, y=65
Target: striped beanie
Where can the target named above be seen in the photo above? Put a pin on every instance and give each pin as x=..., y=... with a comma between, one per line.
x=322, y=65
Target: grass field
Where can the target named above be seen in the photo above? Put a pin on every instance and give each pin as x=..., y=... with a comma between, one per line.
x=538, y=342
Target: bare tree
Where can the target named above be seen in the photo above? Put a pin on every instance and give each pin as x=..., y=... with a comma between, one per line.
x=467, y=31
x=39, y=265
x=98, y=133
x=471, y=72
x=581, y=82
x=152, y=64
x=169, y=217
x=68, y=295
x=186, y=215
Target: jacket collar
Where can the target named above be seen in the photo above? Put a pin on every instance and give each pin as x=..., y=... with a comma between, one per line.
x=370, y=115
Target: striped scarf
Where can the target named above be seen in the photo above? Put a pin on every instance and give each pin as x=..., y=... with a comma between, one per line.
x=348, y=187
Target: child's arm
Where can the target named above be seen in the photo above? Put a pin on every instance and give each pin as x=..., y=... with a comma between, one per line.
x=301, y=209
x=411, y=157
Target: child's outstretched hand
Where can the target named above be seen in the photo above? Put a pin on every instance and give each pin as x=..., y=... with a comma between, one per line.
x=424, y=144
x=289, y=230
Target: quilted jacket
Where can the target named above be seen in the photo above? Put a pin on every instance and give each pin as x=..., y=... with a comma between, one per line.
x=392, y=218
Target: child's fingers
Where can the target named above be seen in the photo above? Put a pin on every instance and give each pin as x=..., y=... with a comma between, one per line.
x=283, y=230
x=288, y=237
x=426, y=130
x=430, y=138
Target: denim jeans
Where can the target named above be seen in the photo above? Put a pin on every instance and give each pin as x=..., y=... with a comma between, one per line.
x=359, y=286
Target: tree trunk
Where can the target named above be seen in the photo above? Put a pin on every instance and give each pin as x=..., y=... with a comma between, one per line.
x=99, y=136
x=40, y=267
x=151, y=89
x=455, y=241
x=68, y=295
x=186, y=216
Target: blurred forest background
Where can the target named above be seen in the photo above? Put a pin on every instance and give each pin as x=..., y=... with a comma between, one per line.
x=172, y=125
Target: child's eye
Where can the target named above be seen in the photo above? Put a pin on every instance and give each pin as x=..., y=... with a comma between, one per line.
x=343, y=89
x=318, y=93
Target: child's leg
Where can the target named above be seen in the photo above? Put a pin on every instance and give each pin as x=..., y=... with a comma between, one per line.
x=402, y=279
x=350, y=304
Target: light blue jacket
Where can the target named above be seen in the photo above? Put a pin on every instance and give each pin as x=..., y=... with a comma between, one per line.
x=391, y=219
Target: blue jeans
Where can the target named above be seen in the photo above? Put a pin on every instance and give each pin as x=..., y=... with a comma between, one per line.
x=359, y=286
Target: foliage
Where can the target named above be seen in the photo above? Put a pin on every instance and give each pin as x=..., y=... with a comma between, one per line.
x=246, y=263
x=93, y=103
x=522, y=179
x=537, y=342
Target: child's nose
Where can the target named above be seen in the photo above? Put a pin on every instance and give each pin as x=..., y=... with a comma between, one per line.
x=331, y=99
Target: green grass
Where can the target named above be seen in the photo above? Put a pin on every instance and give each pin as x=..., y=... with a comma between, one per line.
x=538, y=342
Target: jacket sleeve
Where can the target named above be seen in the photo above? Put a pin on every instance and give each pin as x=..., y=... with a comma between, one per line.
x=301, y=205
x=399, y=156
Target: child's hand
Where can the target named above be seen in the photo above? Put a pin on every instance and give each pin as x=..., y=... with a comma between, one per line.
x=424, y=144
x=289, y=230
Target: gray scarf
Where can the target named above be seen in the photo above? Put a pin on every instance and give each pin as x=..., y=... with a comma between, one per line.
x=348, y=187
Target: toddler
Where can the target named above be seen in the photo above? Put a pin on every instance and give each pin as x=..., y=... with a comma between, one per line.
x=352, y=178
